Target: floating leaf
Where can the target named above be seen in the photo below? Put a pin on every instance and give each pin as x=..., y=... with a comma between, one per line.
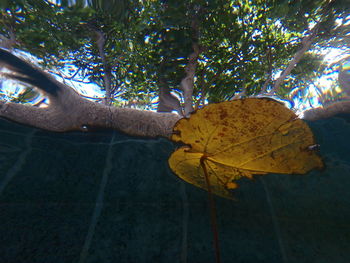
x=241, y=138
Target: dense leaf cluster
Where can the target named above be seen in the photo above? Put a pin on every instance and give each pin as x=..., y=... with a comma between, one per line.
x=244, y=45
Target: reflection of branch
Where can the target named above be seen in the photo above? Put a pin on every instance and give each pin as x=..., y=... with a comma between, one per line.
x=114, y=89
x=267, y=81
x=84, y=82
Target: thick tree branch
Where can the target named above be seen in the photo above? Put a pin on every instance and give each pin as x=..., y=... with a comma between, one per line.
x=89, y=116
x=68, y=111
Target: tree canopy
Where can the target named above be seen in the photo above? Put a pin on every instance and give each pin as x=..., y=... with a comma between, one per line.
x=182, y=54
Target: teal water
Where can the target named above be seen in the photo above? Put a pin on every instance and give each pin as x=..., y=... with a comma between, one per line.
x=107, y=197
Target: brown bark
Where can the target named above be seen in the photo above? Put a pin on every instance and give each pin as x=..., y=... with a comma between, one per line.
x=68, y=111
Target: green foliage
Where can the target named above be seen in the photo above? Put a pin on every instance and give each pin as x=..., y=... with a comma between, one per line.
x=244, y=43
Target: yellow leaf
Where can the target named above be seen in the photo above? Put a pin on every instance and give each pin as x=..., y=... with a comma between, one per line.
x=241, y=138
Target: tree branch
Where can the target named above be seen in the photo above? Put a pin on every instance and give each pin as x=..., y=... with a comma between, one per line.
x=187, y=82
x=84, y=115
x=107, y=76
x=68, y=111
x=306, y=43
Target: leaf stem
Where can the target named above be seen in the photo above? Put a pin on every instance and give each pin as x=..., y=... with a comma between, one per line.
x=212, y=207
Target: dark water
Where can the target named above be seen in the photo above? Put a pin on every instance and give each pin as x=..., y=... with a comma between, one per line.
x=106, y=197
